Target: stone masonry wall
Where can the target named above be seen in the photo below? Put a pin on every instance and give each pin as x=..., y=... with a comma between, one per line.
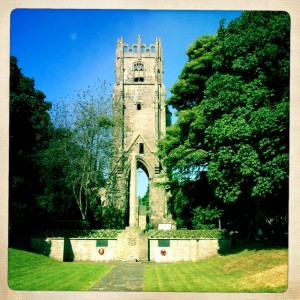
x=159, y=251
x=186, y=249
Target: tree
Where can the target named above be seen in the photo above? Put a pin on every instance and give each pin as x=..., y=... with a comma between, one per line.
x=145, y=199
x=29, y=133
x=232, y=99
x=56, y=200
x=183, y=150
x=247, y=111
x=82, y=145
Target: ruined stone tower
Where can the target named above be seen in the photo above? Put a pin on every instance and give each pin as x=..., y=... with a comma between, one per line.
x=139, y=103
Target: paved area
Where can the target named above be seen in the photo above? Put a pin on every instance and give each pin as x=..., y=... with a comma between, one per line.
x=125, y=276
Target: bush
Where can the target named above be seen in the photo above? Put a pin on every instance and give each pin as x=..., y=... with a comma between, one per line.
x=83, y=233
x=204, y=217
x=188, y=234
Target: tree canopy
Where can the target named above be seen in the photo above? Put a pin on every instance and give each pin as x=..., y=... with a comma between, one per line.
x=58, y=164
x=29, y=133
x=82, y=145
x=232, y=99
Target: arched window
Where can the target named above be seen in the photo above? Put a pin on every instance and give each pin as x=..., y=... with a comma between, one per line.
x=138, y=66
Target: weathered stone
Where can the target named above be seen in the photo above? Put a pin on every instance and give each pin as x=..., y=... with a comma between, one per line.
x=139, y=101
x=131, y=245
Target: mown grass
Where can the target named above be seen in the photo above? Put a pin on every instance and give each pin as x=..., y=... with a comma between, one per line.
x=257, y=267
x=252, y=269
x=34, y=272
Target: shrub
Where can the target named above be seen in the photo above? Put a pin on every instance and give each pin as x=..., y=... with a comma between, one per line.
x=84, y=233
x=204, y=217
x=187, y=234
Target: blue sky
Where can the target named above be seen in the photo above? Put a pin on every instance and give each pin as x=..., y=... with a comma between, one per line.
x=68, y=50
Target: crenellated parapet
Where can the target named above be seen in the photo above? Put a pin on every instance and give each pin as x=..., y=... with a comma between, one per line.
x=143, y=64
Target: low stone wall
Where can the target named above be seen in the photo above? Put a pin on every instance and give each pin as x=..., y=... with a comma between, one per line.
x=106, y=250
x=77, y=249
x=177, y=250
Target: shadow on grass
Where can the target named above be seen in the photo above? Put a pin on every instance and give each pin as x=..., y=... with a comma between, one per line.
x=68, y=254
x=239, y=245
x=22, y=243
x=40, y=246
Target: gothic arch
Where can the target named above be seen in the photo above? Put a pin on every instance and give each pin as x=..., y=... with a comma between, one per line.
x=141, y=163
x=144, y=165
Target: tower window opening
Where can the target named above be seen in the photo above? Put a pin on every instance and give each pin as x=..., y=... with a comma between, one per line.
x=141, y=148
x=138, y=79
x=139, y=106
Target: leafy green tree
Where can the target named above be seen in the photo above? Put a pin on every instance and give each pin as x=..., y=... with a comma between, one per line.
x=183, y=150
x=247, y=111
x=205, y=217
x=82, y=146
x=145, y=199
x=56, y=200
x=29, y=133
x=232, y=99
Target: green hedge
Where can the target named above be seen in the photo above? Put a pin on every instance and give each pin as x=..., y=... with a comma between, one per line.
x=82, y=233
x=188, y=234
x=113, y=233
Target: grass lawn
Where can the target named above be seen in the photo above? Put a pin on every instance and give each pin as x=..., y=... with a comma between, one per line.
x=258, y=267
x=243, y=269
x=31, y=272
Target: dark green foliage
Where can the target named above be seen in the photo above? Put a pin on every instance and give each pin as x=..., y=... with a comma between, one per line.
x=57, y=199
x=56, y=170
x=29, y=133
x=81, y=233
x=145, y=199
x=205, y=217
x=247, y=109
x=232, y=99
x=112, y=217
x=187, y=234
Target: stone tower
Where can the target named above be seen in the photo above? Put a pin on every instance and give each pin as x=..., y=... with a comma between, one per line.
x=139, y=103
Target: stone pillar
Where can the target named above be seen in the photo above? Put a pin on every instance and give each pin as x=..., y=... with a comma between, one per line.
x=133, y=218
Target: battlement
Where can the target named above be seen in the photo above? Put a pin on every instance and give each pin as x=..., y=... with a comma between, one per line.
x=139, y=49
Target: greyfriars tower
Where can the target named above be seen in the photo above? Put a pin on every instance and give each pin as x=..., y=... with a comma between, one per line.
x=139, y=103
